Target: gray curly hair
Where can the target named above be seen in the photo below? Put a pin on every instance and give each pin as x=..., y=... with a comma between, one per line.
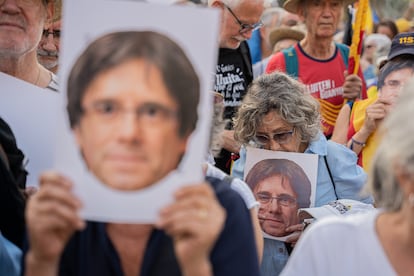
x=283, y=94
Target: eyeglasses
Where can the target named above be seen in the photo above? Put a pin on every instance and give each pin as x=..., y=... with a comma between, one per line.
x=55, y=34
x=244, y=27
x=280, y=138
x=284, y=200
x=150, y=114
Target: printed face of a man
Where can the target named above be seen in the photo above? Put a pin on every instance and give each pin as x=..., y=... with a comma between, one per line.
x=394, y=83
x=278, y=205
x=128, y=132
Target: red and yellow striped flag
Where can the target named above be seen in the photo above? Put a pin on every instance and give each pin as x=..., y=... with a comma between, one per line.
x=357, y=37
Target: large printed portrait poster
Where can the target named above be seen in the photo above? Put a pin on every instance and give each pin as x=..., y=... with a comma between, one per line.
x=282, y=182
x=135, y=121
x=29, y=112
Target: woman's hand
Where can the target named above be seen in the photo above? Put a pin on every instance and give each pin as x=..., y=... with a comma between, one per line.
x=296, y=231
x=375, y=113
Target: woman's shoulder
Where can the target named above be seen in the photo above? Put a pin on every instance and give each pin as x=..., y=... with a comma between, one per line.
x=337, y=225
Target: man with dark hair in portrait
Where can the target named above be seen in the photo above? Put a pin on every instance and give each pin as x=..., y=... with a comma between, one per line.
x=98, y=104
x=281, y=187
x=132, y=104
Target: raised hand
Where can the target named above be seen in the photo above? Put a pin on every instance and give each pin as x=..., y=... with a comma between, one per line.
x=52, y=218
x=194, y=221
x=352, y=86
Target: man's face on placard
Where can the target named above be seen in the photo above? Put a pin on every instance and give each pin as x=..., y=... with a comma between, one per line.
x=394, y=83
x=129, y=130
x=278, y=205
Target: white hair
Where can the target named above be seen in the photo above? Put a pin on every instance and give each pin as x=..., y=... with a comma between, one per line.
x=382, y=42
x=270, y=13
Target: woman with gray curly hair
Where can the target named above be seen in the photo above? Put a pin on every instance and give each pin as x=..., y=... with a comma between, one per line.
x=277, y=114
x=285, y=96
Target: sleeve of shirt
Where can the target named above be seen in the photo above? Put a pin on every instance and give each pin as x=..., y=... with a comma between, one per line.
x=348, y=176
x=245, y=192
x=237, y=170
x=235, y=252
x=10, y=257
x=302, y=261
x=276, y=62
x=314, y=253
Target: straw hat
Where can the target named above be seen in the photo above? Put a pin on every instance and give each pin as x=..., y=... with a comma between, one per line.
x=280, y=33
x=292, y=5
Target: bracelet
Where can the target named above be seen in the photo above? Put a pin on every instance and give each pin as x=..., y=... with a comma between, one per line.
x=353, y=141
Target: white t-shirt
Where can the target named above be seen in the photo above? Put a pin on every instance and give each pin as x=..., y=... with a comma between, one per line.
x=237, y=185
x=340, y=246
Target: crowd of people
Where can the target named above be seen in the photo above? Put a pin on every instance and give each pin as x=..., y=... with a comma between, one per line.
x=281, y=84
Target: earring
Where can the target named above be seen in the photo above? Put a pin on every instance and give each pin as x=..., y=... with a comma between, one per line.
x=411, y=199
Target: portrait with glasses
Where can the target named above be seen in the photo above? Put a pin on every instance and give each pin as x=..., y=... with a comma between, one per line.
x=132, y=97
x=281, y=186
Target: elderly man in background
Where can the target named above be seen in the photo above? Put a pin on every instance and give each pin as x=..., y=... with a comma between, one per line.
x=21, y=27
x=48, y=48
x=239, y=18
x=317, y=61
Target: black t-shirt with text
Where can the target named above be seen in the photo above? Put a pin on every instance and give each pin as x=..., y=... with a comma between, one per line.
x=233, y=76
